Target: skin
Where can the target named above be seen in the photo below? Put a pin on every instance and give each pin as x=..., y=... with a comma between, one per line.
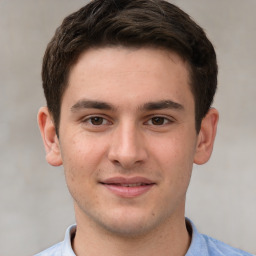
x=128, y=113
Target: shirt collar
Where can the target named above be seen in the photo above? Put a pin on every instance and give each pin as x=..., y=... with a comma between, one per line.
x=67, y=247
x=197, y=246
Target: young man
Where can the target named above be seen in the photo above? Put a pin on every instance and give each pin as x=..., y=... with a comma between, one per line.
x=129, y=86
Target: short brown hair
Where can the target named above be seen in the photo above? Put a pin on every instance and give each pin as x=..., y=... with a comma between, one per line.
x=130, y=23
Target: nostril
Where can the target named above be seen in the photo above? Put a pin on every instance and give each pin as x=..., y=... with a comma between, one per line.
x=116, y=162
x=127, y=153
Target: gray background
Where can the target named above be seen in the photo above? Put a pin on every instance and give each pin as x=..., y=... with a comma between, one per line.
x=35, y=206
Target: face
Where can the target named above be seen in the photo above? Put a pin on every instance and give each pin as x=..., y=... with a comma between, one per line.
x=127, y=138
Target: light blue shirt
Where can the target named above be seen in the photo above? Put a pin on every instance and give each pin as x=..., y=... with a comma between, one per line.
x=201, y=245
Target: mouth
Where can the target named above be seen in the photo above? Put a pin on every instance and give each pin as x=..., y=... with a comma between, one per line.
x=128, y=187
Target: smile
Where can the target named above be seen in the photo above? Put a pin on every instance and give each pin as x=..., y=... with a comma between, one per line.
x=128, y=187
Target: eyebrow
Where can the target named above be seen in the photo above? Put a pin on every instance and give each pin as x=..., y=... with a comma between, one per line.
x=82, y=104
x=149, y=106
x=163, y=104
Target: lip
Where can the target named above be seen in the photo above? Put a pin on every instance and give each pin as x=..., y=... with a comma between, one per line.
x=120, y=186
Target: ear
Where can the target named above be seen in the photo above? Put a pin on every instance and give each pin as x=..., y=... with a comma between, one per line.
x=206, y=137
x=49, y=136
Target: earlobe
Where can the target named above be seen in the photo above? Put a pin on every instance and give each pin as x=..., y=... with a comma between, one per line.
x=206, y=137
x=49, y=136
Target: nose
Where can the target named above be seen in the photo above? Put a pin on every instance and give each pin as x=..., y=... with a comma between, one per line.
x=127, y=148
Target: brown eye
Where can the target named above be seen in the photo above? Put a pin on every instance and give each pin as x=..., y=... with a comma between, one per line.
x=158, y=120
x=96, y=120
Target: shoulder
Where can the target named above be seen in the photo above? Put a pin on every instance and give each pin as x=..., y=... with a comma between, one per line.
x=55, y=250
x=63, y=248
x=204, y=245
x=216, y=247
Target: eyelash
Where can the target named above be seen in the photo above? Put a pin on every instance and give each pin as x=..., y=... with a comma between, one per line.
x=164, y=120
x=150, y=121
x=89, y=121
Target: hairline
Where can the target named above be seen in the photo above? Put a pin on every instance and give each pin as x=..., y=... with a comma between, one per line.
x=72, y=64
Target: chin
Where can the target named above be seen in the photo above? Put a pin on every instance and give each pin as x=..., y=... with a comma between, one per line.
x=130, y=224
x=128, y=230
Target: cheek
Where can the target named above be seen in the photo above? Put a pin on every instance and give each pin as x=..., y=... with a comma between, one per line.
x=81, y=156
x=175, y=155
x=175, y=148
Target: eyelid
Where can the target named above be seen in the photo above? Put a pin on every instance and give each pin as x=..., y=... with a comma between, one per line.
x=86, y=119
x=169, y=119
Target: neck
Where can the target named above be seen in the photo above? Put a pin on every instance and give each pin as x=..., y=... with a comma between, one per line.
x=170, y=238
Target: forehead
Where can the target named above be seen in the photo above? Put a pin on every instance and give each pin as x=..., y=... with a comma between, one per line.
x=129, y=74
x=131, y=58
